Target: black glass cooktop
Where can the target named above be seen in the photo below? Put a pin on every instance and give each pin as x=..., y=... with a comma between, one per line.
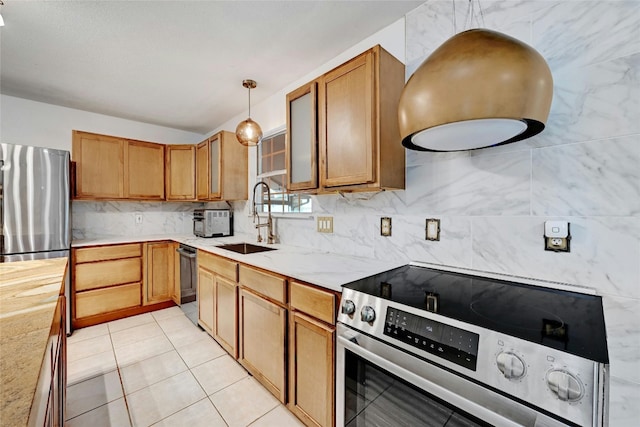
x=567, y=321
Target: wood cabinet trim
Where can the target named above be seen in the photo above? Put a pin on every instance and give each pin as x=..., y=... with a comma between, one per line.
x=263, y=282
x=102, y=301
x=313, y=301
x=219, y=265
x=106, y=252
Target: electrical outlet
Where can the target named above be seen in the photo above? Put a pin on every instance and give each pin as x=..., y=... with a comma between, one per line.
x=138, y=216
x=557, y=244
x=557, y=236
x=432, y=229
x=325, y=224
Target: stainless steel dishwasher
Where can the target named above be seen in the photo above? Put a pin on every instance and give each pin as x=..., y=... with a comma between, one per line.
x=189, y=282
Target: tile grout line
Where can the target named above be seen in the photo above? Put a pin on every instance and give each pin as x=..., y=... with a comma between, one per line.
x=124, y=394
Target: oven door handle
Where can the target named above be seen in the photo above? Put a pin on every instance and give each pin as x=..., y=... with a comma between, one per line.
x=349, y=340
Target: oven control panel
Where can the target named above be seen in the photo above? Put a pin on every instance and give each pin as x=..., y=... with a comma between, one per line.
x=450, y=343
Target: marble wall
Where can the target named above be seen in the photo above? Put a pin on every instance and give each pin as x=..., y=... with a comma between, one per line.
x=584, y=168
x=91, y=220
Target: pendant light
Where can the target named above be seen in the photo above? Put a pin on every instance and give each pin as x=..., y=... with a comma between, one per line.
x=1, y=19
x=479, y=89
x=248, y=132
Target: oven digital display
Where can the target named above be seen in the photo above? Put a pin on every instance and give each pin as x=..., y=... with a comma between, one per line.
x=448, y=342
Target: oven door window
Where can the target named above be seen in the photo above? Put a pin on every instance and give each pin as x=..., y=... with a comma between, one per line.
x=376, y=398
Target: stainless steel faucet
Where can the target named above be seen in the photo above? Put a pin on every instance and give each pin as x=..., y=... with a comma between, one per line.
x=270, y=237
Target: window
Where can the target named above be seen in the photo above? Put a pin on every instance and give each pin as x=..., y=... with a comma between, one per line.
x=272, y=170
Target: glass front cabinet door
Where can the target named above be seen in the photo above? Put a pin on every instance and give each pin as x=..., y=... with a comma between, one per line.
x=302, y=138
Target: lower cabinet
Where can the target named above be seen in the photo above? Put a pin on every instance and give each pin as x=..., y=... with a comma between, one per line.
x=158, y=272
x=115, y=281
x=48, y=406
x=311, y=370
x=205, y=299
x=225, y=314
x=262, y=338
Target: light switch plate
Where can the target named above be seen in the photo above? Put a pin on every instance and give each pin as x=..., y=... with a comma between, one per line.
x=433, y=229
x=325, y=224
x=385, y=226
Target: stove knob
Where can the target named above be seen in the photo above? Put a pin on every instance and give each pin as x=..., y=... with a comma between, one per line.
x=367, y=314
x=348, y=307
x=565, y=385
x=511, y=366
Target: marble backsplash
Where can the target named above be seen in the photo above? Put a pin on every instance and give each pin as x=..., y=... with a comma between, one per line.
x=91, y=220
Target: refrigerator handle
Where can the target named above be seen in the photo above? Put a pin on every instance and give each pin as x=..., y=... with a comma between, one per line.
x=1, y=209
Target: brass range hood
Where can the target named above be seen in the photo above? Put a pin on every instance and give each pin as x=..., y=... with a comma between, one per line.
x=479, y=89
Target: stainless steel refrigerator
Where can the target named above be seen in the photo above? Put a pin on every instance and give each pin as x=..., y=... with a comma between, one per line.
x=35, y=205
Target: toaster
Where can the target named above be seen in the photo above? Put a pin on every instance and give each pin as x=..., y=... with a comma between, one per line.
x=212, y=222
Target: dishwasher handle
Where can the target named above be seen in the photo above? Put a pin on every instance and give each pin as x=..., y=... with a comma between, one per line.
x=186, y=253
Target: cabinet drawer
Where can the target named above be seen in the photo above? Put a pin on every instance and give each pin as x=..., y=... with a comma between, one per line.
x=269, y=285
x=103, y=253
x=315, y=302
x=100, y=301
x=101, y=274
x=218, y=265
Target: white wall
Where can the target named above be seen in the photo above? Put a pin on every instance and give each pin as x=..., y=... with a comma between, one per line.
x=271, y=113
x=35, y=123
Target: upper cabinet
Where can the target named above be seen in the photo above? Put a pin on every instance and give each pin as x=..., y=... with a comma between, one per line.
x=115, y=168
x=99, y=166
x=144, y=173
x=222, y=168
x=180, y=172
x=302, y=128
x=349, y=118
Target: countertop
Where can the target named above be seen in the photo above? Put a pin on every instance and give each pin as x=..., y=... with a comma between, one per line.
x=324, y=269
x=29, y=293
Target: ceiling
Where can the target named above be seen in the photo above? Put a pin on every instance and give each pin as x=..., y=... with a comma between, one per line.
x=178, y=64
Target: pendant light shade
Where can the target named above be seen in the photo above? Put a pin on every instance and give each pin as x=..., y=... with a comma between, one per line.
x=479, y=89
x=249, y=132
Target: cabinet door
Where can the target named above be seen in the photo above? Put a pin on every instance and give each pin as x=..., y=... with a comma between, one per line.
x=202, y=170
x=99, y=166
x=180, y=170
x=175, y=289
x=302, y=138
x=215, y=168
x=262, y=341
x=158, y=272
x=311, y=370
x=348, y=124
x=144, y=177
x=205, y=299
x=225, y=309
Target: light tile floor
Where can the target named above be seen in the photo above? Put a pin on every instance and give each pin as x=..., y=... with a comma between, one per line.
x=160, y=369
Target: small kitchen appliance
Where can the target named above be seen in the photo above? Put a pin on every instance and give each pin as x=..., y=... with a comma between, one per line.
x=424, y=346
x=212, y=222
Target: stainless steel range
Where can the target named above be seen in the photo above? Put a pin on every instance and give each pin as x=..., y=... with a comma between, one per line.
x=424, y=346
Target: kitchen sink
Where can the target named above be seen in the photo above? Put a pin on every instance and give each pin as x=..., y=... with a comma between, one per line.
x=245, y=248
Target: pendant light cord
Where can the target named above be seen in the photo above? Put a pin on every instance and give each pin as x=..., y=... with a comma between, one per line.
x=469, y=16
x=249, y=102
